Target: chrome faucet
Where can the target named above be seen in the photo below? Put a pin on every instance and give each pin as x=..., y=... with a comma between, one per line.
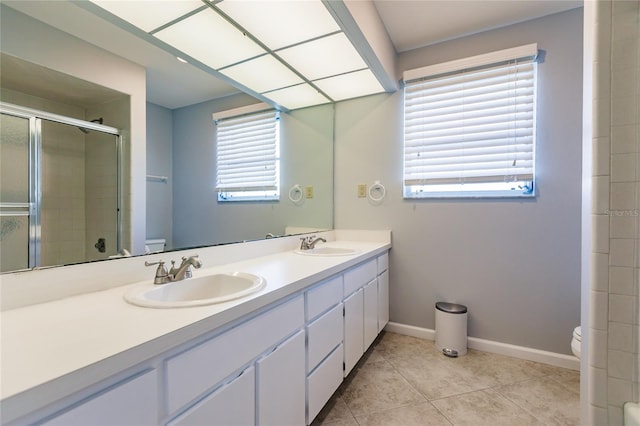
x=175, y=274
x=184, y=270
x=308, y=243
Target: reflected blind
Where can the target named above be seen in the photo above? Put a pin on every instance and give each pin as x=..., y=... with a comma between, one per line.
x=247, y=152
x=471, y=126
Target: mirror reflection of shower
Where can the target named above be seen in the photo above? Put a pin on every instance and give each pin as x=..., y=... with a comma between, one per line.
x=59, y=189
x=95, y=120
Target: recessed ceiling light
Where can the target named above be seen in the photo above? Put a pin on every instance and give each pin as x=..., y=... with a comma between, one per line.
x=210, y=39
x=184, y=61
x=281, y=23
x=324, y=57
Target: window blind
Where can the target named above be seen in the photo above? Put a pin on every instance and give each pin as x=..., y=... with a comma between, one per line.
x=247, y=153
x=471, y=130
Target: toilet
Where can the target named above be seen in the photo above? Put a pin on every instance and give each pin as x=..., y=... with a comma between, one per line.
x=576, y=341
x=154, y=245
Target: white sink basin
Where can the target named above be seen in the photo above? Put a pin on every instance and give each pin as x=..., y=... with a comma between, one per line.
x=328, y=251
x=197, y=291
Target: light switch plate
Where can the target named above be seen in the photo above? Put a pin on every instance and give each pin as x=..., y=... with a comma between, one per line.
x=362, y=190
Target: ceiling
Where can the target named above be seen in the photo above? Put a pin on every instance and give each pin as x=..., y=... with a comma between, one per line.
x=416, y=23
x=410, y=24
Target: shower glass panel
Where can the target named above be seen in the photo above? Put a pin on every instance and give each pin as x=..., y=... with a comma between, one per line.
x=14, y=192
x=59, y=190
x=79, y=207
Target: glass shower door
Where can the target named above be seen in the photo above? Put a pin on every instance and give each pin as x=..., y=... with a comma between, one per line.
x=18, y=224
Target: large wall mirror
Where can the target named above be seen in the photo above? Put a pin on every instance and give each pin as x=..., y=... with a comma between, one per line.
x=59, y=60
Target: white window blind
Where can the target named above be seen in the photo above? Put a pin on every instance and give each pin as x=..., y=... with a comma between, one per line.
x=247, y=157
x=471, y=132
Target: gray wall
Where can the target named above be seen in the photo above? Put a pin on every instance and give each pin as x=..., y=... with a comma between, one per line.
x=514, y=263
x=307, y=159
x=159, y=163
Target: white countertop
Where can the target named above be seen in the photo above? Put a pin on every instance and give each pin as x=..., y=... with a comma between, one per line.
x=71, y=343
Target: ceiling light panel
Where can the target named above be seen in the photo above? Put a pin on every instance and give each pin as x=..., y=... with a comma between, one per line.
x=278, y=23
x=210, y=39
x=300, y=96
x=262, y=74
x=149, y=14
x=324, y=57
x=352, y=85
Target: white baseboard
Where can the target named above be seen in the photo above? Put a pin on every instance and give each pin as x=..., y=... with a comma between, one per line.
x=530, y=354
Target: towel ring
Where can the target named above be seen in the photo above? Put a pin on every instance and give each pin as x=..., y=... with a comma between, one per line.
x=378, y=188
x=296, y=195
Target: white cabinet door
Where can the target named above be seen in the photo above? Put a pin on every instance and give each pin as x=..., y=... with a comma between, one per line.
x=370, y=313
x=383, y=300
x=281, y=384
x=134, y=402
x=232, y=404
x=353, y=330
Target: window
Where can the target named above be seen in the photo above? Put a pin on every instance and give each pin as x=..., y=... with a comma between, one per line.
x=469, y=126
x=248, y=157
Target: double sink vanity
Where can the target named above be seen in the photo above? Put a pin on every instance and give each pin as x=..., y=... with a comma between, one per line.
x=268, y=346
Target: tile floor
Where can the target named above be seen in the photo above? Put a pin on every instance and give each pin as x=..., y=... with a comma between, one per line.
x=405, y=381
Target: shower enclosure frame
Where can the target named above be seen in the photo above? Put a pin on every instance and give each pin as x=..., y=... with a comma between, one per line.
x=34, y=206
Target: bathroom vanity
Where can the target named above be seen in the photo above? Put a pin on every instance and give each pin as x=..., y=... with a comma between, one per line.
x=272, y=358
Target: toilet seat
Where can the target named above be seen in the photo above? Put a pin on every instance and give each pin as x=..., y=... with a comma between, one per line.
x=576, y=342
x=577, y=333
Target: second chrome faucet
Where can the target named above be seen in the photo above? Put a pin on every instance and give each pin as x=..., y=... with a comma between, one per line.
x=175, y=273
x=308, y=243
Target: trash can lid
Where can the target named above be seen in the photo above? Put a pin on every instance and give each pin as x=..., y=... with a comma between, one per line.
x=451, y=308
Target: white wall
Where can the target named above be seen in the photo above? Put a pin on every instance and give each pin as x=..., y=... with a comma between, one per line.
x=614, y=324
x=514, y=263
x=160, y=163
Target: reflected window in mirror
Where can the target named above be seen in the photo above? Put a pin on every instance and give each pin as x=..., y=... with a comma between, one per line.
x=248, y=157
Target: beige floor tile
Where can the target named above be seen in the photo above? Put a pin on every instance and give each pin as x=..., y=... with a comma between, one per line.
x=376, y=386
x=437, y=376
x=344, y=422
x=481, y=408
x=423, y=414
x=546, y=399
x=500, y=369
x=333, y=411
x=395, y=377
x=393, y=345
x=568, y=378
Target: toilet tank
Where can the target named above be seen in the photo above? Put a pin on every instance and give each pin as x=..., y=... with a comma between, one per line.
x=155, y=245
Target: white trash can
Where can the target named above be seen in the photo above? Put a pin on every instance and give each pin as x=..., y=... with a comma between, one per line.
x=451, y=328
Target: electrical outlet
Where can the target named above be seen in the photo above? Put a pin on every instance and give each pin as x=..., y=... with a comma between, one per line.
x=308, y=191
x=362, y=190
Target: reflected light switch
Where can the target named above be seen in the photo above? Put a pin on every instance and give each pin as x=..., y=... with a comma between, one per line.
x=362, y=190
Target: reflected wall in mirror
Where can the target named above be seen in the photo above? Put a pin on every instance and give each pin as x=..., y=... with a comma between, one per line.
x=176, y=142
x=186, y=136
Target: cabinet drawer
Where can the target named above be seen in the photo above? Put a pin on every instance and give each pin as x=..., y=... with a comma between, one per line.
x=323, y=382
x=383, y=263
x=323, y=335
x=359, y=276
x=193, y=372
x=133, y=403
x=323, y=296
x=233, y=404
